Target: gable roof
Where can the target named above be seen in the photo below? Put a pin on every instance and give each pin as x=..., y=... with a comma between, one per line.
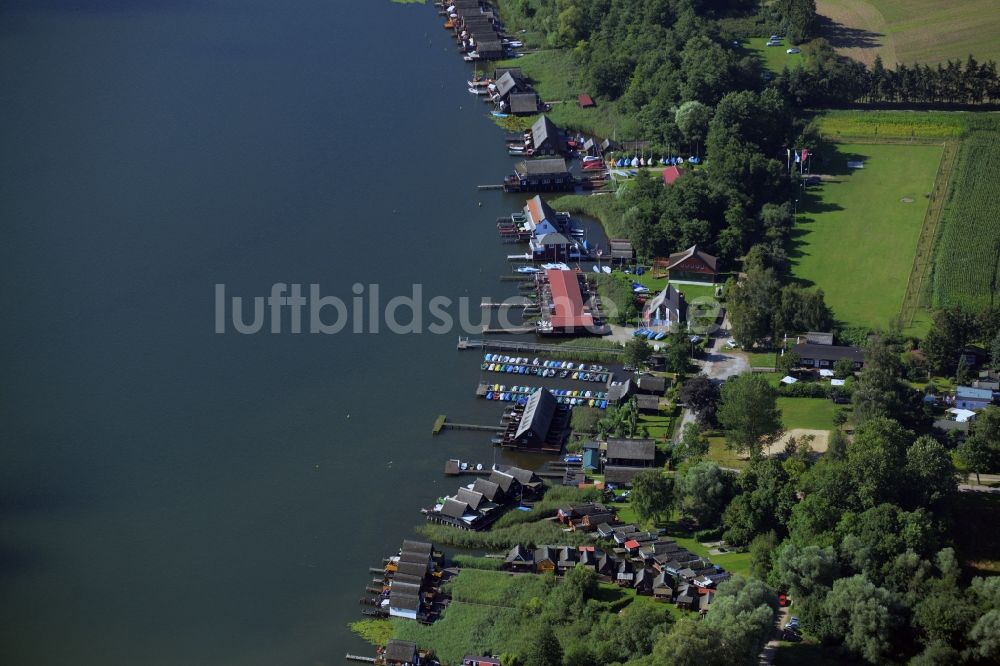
x=470, y=497
x=504, y=480
x=671, y=174
x=545, y=131
x=807, y=351
x=523, y=102
x=550, y=166
x=454, y=508
x=487, y=489
x=506, y=84
x=692, y=252
x=519, y=554
x=417, y=547
x=671, y=298
x=585, y=100
x=397, y=650
x=631, y=449
x=567, y=300
x=969, y=393
x=538, y=413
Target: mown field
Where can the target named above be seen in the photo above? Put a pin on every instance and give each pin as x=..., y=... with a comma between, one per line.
x=967, y=253
x=857, y=231
x=911, y=31
x=773, y=58
x=968, y=256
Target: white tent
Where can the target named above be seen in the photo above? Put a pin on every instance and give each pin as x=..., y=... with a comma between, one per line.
x=826, y=373
x=962, y=415
x=788, y=380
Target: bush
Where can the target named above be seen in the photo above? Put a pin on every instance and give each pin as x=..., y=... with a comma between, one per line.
x=555, y=497
x=504, y=538
x=711, y=534
x=481, y=563
x=804, y=390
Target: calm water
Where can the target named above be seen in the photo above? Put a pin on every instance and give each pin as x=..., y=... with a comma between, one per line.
x=173, y=496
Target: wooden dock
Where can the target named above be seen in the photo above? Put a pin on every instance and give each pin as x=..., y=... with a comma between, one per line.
x=508, y=345
x=483, y=188
x=513, y=330
x=450, y=425
x=356, y=657
x=518, y=277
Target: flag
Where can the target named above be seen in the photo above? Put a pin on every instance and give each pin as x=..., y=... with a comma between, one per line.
x=798, y=158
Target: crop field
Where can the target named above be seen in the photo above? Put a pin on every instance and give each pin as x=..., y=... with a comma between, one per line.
x=968, y=254
x=892, y=125
x=857, y=231
x=912, y=31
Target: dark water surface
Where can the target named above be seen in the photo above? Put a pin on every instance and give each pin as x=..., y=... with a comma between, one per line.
x=173, y=496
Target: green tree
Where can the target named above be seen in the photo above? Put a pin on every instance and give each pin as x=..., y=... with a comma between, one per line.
x=875, y=460
x=764, y=501
x=677, y=352
x=995, y=352
x=788, y=362
x=692, y=120
x=637, y=353
x=951, y=329
x=702, y=492
x=980, y=452
x=861, y=615
x=843, y=368
x=749, y=413
x=762, y=554
x=544, y=648
x=693, y=443
x=652, y=495
x=929, y=473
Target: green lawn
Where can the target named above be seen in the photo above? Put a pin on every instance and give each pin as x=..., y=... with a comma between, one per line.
x=856, y=238
x=718, y=452
x=556, y=77
x=807, y=413
x=773, y=58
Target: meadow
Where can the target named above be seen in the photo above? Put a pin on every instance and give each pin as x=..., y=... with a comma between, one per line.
x=556, y=78
x=774, y=58
x=857, y=231
x=912, y=31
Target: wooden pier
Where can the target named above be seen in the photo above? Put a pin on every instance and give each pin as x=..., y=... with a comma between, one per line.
x=482, y=188
x=451, y=425
x=513, y=330
x=356, y=657
x=507, y=345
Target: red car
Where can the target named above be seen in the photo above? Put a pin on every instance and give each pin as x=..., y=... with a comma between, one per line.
x=782, y=600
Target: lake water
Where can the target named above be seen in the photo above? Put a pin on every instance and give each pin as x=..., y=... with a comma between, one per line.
x=170, y=495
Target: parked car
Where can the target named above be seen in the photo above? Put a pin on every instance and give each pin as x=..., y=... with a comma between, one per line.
x=792, y=50
x=782, y=600
x=792, y=624
x=773, y=43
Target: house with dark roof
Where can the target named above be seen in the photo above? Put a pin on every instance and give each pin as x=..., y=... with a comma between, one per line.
x=824, y=356
x=504, y=86
x=540, y=175
x=618, y=394
x=519, y=559
x=515, y=73
x=692, y=264
x=546, y=138
x=472, y=660
x=400, y=653
x=667, y=308
x=523, y=103
x=490, y=490
x=650, y=385
x=631, y=452
x=647, y=404
x=533, y=430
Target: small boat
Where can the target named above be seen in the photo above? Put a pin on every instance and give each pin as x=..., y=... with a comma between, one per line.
x=595, y=269
x=527, y=269
x=651, y=335
x=606, y=269
x=660, y=335
x=477, y=91
x=497, y=114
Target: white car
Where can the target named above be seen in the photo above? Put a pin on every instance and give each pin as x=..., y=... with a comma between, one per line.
x=792, y=625
x=792, y=50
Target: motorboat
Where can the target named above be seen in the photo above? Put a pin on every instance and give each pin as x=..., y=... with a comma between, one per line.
x=606, y=269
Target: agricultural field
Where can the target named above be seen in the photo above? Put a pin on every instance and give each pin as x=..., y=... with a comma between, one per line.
x=912, y=31
x=894, y=125
x=773, y=58
x=968, y=254
x=858, y=229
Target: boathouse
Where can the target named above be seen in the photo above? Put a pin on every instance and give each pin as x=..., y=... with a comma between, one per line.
x=533, y=430
x=631, y=452
x=565, y=310
x=546, y=138
x=400, y=653
x=543, y=175
x=665, y=309
x=505, y=86
x=621, y=250
x=489, y=49
x=692, y=264
x=523, y=103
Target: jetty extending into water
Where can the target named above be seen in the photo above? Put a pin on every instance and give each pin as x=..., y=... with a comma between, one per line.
x=512, y=346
